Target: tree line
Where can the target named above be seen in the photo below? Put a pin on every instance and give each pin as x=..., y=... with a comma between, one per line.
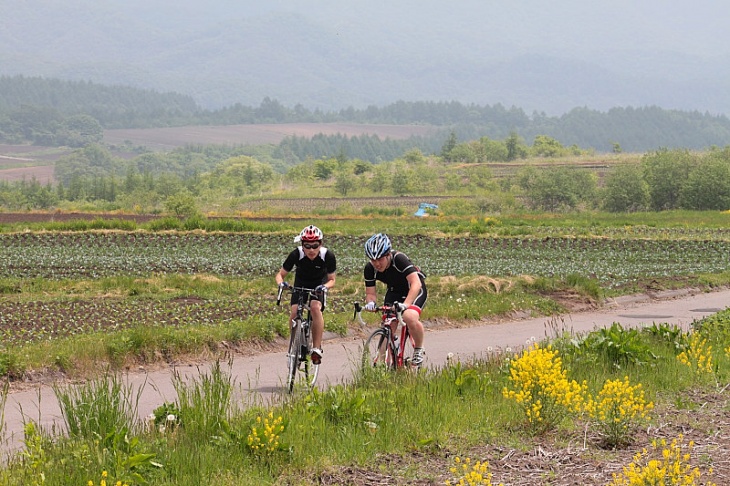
x=191, y=179
x=72, y=113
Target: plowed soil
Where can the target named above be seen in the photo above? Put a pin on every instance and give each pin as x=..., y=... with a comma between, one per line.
x=169, y=138
x=58, y=216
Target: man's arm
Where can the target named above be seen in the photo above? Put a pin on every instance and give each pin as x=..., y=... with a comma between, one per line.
x=330, y=280
x=280, y=275
x=414, y=284
x=371, y=294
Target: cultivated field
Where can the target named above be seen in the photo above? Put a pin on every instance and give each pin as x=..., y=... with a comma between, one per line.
x=18, y=162
x=169, y=138
x=613, y=263
x=25, y=161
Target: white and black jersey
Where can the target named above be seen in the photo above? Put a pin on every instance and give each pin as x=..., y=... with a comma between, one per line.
x=310, y=273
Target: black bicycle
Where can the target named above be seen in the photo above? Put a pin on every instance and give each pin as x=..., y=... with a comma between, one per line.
x=383, y=348
x=300, y=342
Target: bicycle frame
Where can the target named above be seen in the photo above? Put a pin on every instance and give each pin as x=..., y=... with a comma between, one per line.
x=300, y=341
x=398, y=352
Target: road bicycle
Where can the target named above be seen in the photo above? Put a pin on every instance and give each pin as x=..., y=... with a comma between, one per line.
x=300, y=342
x=390, y=346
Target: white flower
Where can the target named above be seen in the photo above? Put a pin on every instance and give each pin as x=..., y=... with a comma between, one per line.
x=490, y=349
x=171, y=418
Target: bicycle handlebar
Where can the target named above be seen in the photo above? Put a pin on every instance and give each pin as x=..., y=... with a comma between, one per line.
x=291, y=289
x=383, y=308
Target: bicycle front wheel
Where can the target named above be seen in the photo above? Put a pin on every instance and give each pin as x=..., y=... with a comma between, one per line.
x=311, y=370
x=295, y=353
x=378, y=352
x=405, y=351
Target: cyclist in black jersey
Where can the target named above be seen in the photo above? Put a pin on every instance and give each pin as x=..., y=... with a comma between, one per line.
x=315, y=269
x=406, y=286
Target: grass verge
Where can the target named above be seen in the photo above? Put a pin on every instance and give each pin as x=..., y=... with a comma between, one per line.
x=414, y=427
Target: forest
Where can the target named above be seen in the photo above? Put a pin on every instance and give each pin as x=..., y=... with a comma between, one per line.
x=72, y=113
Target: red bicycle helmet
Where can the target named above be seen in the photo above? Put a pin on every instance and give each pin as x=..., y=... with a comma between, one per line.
x=311, y=233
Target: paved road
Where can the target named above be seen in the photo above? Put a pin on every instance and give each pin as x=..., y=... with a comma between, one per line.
x=259, y=377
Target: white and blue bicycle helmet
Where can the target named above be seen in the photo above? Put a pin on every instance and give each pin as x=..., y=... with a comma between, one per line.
x=377, y=246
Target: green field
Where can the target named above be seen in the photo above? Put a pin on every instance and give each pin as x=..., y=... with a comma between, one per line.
x=78, y=278
x=82, y=295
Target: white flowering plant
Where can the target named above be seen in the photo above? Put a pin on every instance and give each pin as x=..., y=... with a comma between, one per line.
x=166, y=417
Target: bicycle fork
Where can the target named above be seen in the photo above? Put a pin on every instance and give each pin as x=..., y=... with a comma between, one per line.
x=401, y=359
x=293, y=330
x=299, y=329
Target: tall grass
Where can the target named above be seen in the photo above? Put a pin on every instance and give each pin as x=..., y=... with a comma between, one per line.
x=99, y=407
x=3, y=401
x=434, y=415
x=205, y=403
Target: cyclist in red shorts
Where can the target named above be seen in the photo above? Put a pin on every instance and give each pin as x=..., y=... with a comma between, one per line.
x=315, y=269
x=406, y=286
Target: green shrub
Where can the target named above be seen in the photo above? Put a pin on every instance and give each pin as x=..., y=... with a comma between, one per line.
x=164, y=224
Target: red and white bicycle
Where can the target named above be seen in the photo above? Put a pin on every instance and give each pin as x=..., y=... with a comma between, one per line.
x=390, y=346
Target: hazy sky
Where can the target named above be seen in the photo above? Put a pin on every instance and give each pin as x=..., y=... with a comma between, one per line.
x=697, y=27
x=352, y=52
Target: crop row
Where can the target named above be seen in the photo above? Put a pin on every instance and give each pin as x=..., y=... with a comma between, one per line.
x=92, y=255
x=29, y=322
x=26, y=322
x=613, y=262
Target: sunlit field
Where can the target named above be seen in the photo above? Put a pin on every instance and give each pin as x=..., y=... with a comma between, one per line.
x=79, y=294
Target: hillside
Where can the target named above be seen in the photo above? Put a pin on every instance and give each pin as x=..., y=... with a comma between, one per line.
x=319, y=54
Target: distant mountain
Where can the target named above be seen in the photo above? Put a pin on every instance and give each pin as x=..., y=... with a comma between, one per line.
x=330, y=55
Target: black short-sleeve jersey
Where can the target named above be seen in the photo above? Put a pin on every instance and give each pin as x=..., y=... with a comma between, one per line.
x=310, y=273
x=395, y=275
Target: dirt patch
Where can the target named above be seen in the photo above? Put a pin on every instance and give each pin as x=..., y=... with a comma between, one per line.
x=574, y=302
x=18, y=162
x=58, y=216
x=559, y=460
x=170, y=138
x=42, y=173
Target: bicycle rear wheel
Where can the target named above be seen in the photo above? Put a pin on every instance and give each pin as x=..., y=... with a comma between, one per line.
x=294, y=354
x=378, y=352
